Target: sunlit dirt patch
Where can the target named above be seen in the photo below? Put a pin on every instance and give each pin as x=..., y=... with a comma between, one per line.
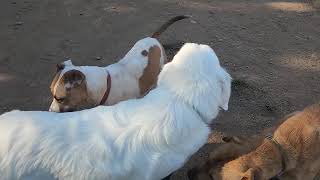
x=119, y=8
x=310, y=62
x=290, y=6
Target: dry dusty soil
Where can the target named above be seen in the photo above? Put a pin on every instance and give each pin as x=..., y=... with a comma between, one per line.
x=271, y=49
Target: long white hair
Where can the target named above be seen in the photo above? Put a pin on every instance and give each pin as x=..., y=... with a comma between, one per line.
x=206, y=89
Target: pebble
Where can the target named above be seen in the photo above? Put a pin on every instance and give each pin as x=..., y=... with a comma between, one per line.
x=32, y=84
x=19, y=23
x=211, y=12
x=98, y=58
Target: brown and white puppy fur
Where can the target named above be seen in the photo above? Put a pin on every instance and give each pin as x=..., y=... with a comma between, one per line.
x=258, y=158
x=80, y=87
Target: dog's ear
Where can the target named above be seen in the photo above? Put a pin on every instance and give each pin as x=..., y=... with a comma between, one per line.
x=225, y=86
x=59, y=67
x=62, y=65
x=73, y=78
x=251, y=174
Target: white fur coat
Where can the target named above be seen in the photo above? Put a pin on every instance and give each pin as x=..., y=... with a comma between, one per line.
x=140, y=139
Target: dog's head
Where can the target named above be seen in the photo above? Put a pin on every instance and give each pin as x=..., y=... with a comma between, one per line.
x=68, y=88
x=234, y=166
x=196, y=76
x=236, y=171
x=222, y=165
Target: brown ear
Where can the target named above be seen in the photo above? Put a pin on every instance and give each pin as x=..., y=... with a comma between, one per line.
x=60, y=67
x=251, y=174
x=74, y=78
x=151, y=71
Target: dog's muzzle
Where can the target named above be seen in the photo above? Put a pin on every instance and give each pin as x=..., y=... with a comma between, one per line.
x=54, y=107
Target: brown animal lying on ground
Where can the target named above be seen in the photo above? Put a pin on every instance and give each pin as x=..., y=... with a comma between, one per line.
x=291, y=154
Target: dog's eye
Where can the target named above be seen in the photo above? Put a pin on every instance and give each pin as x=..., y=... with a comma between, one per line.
x=59, y=100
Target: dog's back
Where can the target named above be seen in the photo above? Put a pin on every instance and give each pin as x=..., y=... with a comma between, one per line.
x=300, y=136
x=297, y=133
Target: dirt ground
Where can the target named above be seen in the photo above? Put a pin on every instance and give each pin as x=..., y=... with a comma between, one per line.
x=271, y=49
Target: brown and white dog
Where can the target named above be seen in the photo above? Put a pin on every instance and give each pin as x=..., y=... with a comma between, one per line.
x=291, y=154
x=80, y=87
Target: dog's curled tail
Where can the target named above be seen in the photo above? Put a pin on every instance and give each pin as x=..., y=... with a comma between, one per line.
x=165, y=26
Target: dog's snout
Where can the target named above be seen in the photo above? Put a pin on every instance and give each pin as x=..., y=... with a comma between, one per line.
x=54, y=107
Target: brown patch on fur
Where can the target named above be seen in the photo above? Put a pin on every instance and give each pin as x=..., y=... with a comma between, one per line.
x=298, y=135
x=151, y=71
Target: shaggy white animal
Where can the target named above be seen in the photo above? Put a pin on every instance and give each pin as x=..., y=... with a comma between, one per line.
x=140, y=139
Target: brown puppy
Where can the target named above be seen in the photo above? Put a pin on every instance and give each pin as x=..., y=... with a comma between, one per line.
x=292, y=153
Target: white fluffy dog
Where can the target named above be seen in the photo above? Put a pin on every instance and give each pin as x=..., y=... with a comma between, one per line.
x=139, y=139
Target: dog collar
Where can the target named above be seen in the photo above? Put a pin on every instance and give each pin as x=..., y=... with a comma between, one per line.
x=284, y=157
x=106, y=94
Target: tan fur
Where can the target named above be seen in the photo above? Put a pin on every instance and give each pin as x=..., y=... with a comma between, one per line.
x=54, y=81
x=298, y=136
x=150, y=73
